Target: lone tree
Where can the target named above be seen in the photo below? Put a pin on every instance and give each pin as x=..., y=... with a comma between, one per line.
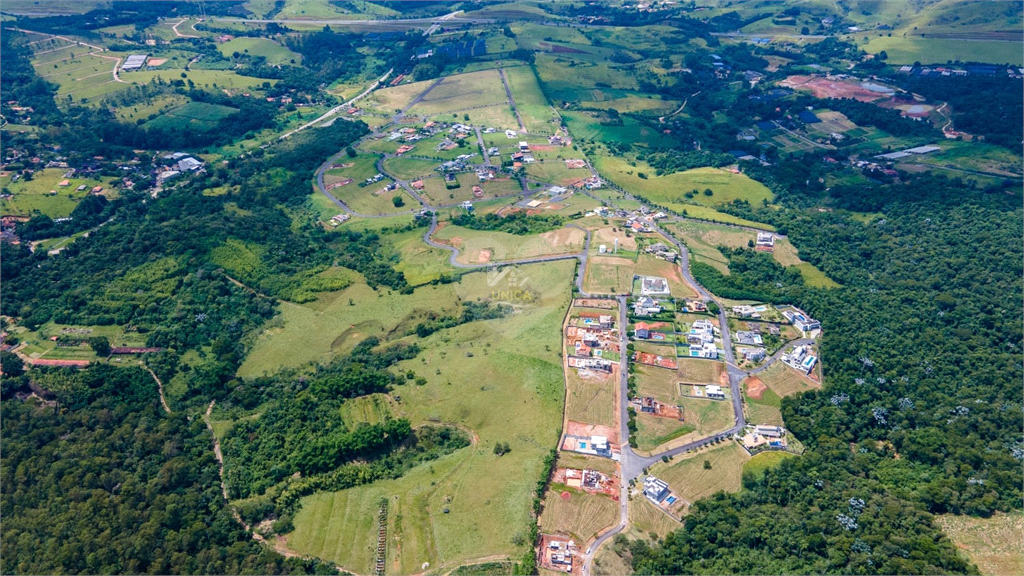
x=707, y=465
x=398, y=202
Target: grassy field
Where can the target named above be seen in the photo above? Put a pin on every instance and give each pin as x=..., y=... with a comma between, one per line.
x=537, y=114
x=590, y=400
x=688, y=478
x=34, y=195
x=646, y=518
x=217, y=79
x=475, y=373
x=653, y=431
x=395, y=98
x=370, y=199
x=764, y=410
x=583, y=516
x=463, y=91
x=588, y=126
x=481, y=246
x=993, y=544
x=785, y=381
x=761, y=462
x=199, y=116
x=700, y=371
x=409, y=168
x=275, y=53
x=668, y=190
x=707, y=416
x=577, y=460
x=38, y=343
x=939, y=50
x=608, y=275
x=419, y=262
x=145, y=110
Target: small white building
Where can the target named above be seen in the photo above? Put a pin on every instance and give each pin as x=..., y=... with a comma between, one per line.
x=714, y=391
x=524, y=146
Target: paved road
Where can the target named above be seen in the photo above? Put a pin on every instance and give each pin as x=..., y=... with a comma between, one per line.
x=339, y=107
x=483, y=147
x=418, y=99
x=512, y=101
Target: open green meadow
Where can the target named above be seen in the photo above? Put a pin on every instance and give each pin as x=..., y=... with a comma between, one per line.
x=940, y=50
x=394, y=98
x=763, y=461
x=419, y=262
x=669, y=190
x=482, y=246
x=275, y=53
x=533, y=107
x=654, y=431
x=596, y=127
x=409, y=168
x=474, y=373
x=463, y=91
x=687, y=476
x=199, y=116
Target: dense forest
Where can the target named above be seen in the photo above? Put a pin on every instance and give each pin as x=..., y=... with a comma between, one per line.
x=922, y=357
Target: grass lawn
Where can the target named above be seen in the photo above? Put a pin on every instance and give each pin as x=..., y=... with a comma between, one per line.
x=374, y=199
x=761, y=462
x=590, y=400
x=588, y=126
x=409, y=168
x=419, y=262
x=34, y=195
x=482, y=246
x=785, y=381
x=700, y=371
x=687, y=476
x=475, y=373
x=993, y=544
x=275, y=53
x=653, y=431
x=608, y=275
x=582, y=515
x=645, y=517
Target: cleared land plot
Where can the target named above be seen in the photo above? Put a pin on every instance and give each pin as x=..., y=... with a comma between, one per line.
x=689, y=479
x=588, y=126
x=653, y=431
x=419, y=262
x=994, y=544
x=700, y=371
x=481, y=246
x=580, y=461
x=83, y=77
x=762, y=404
x=590, y=400
x=463, y=91
x=763, y=461
x=581, y=515
x=488, y=497
x=941, y=50
x=785, y=381
x=533, y=107
x=608, y=235
x=393, y=99
x=645, y=518
x=217, y=79
x=608, y=275
x=275, y=53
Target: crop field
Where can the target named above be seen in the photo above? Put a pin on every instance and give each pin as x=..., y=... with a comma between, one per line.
x=478, y=247
x=687, y=476
x=409, y=168
x=537, y=114
x=275, y=53
x=33, y=195
x=648, y=265
x=192, y=116
x=505, y=362
x=608, y=275
x=590, y=400
x=463, y=91
x=993, y=544
x=785, y=381
x=581, y=515
x=588, y=126
x=700, y=371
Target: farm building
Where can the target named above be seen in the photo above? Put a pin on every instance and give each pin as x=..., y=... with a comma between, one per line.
x=134, y=62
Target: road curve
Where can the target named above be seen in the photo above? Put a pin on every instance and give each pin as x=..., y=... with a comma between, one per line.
x=455, y=251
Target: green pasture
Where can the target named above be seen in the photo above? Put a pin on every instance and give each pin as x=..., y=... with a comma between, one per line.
x=275, y=53
x=28, y=197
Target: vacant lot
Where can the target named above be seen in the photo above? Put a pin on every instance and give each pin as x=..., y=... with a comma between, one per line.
x=481, y=246
x=700, y=371
x=648, y=265
x=653, y=431
x=475, y=373
x=669, y=190
x=409, y=168
x=419, y=262
x=763, y=461
x=994, y=544
x=590, y=400
x=688, y=477
x=533, y=106
x=645, y=518
x=608, y=275
x=391, y=100
x=583, y=516
x=461, y=92
x=199, y=116
x=785, y=381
